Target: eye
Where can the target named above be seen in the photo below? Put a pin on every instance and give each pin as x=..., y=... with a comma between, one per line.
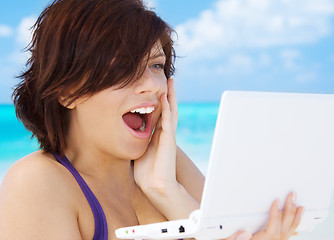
x=158, y=66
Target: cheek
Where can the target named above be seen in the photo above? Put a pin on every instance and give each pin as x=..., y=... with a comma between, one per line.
x=94, y=121
x=97, y=113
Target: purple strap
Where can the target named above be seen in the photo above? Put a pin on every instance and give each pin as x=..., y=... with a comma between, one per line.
x=101, y=227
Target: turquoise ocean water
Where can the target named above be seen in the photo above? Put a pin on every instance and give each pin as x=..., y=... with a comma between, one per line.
x=194, y=135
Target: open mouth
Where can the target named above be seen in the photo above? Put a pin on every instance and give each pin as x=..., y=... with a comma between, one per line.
x=139, y=119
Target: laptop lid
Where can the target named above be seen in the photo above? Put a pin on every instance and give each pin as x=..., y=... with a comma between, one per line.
x=267, y=145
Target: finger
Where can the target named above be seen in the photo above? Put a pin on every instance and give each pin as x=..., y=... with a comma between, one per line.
x=156, y=133
x=298, y=218
x=158, y=126
x=171, y=96
x=289, y=212
x=165, y=113
x=274, y=223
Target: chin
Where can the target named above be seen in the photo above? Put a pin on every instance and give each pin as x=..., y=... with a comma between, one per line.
x=138, y=151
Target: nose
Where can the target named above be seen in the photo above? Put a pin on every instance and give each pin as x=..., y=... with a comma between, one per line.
x=151, y=83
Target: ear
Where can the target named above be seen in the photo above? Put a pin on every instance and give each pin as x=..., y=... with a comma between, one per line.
x=64, y=101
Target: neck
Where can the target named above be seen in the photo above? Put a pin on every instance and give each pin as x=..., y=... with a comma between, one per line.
x=101, y=167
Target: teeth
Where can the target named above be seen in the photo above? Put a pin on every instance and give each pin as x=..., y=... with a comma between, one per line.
x=143, y=110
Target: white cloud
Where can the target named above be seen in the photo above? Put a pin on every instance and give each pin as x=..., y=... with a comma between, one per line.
x=18, y=57
x=289, y=58
x=150, y=4
x=240, y=24
x=237, y=63
x=265, y=59
x=306, y=77
x=5, y=31
x=12, y=64
x=23, y=35
x=24, y=30
x=290, y=54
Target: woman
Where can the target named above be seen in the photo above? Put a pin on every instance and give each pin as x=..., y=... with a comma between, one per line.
x=98, y=97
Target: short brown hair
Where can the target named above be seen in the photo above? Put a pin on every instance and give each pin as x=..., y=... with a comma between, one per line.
x=102, y=42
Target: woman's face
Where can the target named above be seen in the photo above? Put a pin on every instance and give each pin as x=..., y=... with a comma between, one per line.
x=119, y=122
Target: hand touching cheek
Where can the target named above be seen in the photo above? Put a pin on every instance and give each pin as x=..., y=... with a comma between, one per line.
x=156, y=169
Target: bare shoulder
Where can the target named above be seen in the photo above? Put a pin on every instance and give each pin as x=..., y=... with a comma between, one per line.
x=35, y=172
x=34, y=194
x=32, y=163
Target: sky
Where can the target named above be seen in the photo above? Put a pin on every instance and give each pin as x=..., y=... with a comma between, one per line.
x=256, y=45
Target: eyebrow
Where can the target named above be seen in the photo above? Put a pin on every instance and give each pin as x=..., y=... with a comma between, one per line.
x=157, y=56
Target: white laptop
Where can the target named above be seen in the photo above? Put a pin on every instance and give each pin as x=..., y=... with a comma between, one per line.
x=265, y=145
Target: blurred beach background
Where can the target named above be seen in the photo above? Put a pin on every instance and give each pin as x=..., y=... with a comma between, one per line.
x=274, y=45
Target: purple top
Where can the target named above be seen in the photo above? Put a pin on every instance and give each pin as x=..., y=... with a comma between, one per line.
x=101, y=227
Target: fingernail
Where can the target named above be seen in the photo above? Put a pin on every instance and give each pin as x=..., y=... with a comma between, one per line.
x=244, y=236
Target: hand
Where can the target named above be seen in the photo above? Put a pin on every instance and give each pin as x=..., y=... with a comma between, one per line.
x=282, y=224
x=156, y=169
